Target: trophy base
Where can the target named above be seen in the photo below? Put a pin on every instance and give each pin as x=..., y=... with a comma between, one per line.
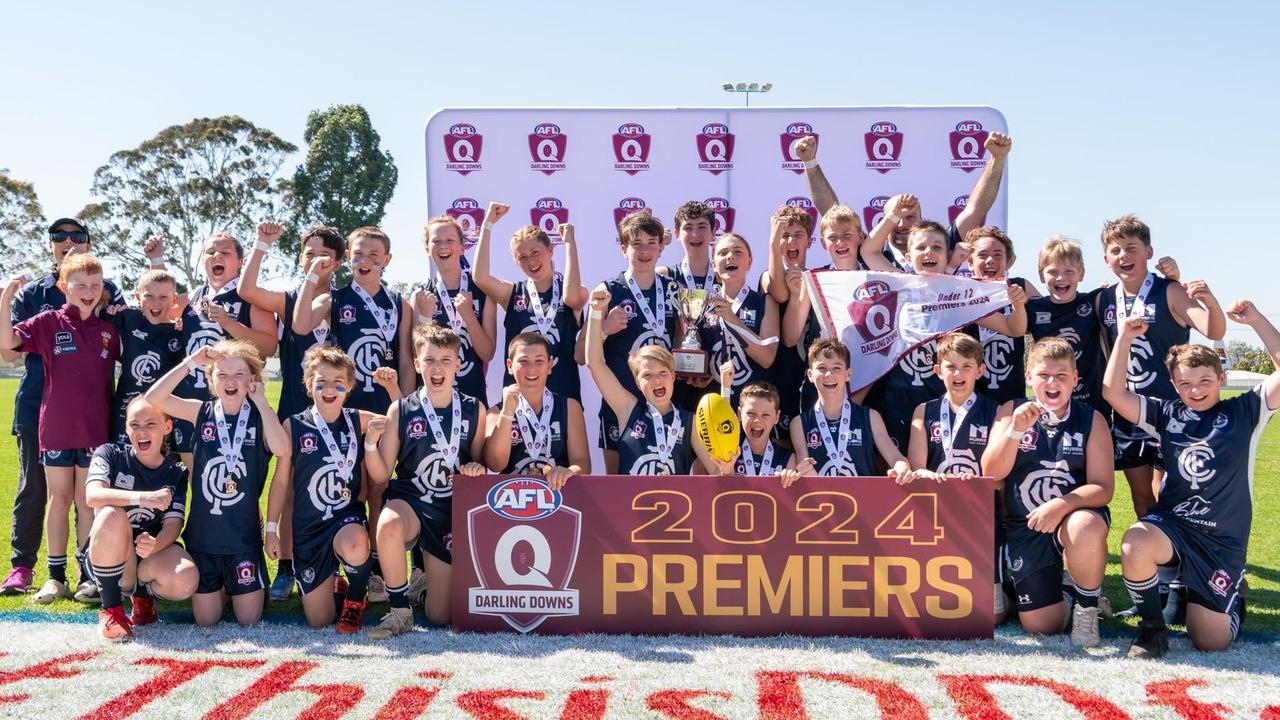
x=691, y=363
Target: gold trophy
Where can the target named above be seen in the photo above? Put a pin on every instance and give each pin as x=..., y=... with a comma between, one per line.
x=691, y=360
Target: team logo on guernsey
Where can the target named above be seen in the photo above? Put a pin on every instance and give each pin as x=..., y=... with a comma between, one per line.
x=1220, y=582
x=547, y=148
x=874, y=312
x=884, y=147
x=144, y=367
x=469, y=215
x=961, y=461
x=631, y=148
x=140, y=516
x=1051, y=481
x=327, y=491
x=788, y=139
x=626, y=206
x=968, y=145
x=219, y=486
x=715, y=148
x=432, y=478
x=957, y=206
x=725, y=214
x=308, y=443
x=549, y=214
x=806, y=205
x=918, y=363
x=997, y=353
x=873, y=213
x=462, y=146
x=368, y=353
x=1195, y=462
x=524, y=574
x=1140, y=359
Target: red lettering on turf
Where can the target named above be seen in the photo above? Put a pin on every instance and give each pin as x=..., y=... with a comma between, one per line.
x=675, y=704
x=586, y=705
x=975, y=702
x=779, y=696
x=334, y=701
x=1270, y=713
x=1173, y=694
x=175, y=672
x=483, y=704
x=407, y=704
x=47, y=670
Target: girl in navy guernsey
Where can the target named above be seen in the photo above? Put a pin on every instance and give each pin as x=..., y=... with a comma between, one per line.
x=432, y=435
x=323, y=470
x=1004, y=377
x=237, y=432
x=1051, y=458
x=950, y=433
x=149, y=343
x=139, y=500
x=535, y=431
x=1201, y=520
x=740, y=325
x=656, y=436
x=317, y=241
x=837, y=436
x=545, y=302
x=215, y=311
x=452, y=300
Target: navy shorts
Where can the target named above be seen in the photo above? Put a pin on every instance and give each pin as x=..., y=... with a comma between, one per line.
x=1132, y=452
x=314, y=560
x=609, y=432
x=67, y=458
x=1212, y=571
x=435, y=534
x=1034, y=562
x=238, y=574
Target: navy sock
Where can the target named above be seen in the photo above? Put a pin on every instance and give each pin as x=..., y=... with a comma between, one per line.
x=58, y=568
x=357, y=579
x=419, y=561
x=1088, y=598
x=374, y=567
x=109, y=582
x=285, y=567
x=142, y=590
x=1146, y=596
x=399, y=596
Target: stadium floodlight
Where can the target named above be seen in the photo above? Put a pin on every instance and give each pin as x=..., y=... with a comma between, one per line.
x=748, y=89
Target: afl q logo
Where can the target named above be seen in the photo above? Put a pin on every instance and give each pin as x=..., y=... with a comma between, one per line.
x=1196, y=465
x=715, y=148
x=549, y=214
x=547, y=147
x=883, y=144
x=462, y=145
x=968, y=146
x=631, y=148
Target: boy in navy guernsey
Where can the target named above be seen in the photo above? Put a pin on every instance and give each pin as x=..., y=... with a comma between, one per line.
x=453, y=300
x=1200, y=522
x=790, y=236
x=759, y=455
x=432, y=434
x=139, y=501
x=1051, y=458
x=912, y=380
x=694, y=226
x=641, y=311
x=950, y=433
x=990, y=255
x=545, y=302
x=149, y=342
x=317, y=241
x=214, y=312
x=323, y=470
x=838, y=436
x=740, y=325
x=237, y=432
x=656, y=436
x=1170, y=310
x=536, y=431
x=78, y=352
x=67, y=236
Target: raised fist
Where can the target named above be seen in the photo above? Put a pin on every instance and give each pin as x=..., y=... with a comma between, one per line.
x=1134, y=327
x=496, y=212
x=269, y=232
x=1168, y=267
x=374, y=429
x=998, y=144
x=806, y=148
x=600, y=298
x=387, y=377
x=1243, y=311
x=1026, y=416
x=153, y=249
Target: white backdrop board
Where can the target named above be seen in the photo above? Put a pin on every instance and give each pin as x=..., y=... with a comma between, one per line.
x=592, y=166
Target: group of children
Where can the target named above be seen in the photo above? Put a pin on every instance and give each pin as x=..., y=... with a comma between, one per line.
x=384, y=401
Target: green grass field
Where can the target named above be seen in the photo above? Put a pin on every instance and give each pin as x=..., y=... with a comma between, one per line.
x=1264, y=547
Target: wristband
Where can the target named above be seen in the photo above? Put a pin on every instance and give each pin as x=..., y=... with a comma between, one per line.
x=156, y=263
x=1013, y=433
x=508, y=418
x=273, y=528
x=487, y=225
x=371, y=447
x=137, y=498
x=596, y=314
x=191, y=363
x=312, y=278
x=811, y=164
x=892, y=218
x=259, y=245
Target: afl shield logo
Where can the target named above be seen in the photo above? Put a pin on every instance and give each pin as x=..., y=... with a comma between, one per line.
x=968, y=145
x=874, y=312
x=715, y=148
x=470, y=216
x=626, y=206
x=549, y=214
x=547, y=148
x=724, y=215
x=957, y=206
x=462, y=146
x=788, y=139
x=631, y=148
x=883, y=143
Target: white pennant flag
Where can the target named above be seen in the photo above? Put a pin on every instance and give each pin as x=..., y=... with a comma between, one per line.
x=881, y=316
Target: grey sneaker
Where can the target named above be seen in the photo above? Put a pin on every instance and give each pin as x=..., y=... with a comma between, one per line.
x=52, y=590
x=397, y=622
x=1152, y=642
x=377, y=592
x=1084, y=627
x=417, y=591
x=87, y=592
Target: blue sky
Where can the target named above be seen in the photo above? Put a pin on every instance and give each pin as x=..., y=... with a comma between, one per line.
x=1166, y=110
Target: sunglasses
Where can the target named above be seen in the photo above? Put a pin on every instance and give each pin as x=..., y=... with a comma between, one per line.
x=76, y=236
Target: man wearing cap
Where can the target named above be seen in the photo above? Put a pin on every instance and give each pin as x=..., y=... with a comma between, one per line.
x=66, y=236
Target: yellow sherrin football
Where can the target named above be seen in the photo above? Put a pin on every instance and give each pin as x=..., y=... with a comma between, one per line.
x=717, y=426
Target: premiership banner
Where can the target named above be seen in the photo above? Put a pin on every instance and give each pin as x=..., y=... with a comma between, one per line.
x=883, y=316
x=724, y=555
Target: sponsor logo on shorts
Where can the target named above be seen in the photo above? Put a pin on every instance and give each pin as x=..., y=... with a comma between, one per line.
x=1220, y=582
x=246, y=572
x=309, y=575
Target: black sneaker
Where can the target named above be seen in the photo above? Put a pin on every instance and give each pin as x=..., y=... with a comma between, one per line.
x=1152, y=642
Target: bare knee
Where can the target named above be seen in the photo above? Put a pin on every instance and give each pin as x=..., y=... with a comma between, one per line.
x=1086, y=526
x=1049, y=620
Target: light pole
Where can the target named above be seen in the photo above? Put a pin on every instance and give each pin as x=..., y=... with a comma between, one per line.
x=748, y=89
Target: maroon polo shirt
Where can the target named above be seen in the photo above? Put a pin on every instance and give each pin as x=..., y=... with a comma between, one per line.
x=79, y=358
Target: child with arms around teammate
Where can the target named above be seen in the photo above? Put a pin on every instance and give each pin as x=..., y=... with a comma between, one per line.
x=546, y=302
x=139, y=500
x=1051, y=458
x=237, y=432
x=78, y=351
x=431, y=435
x=1201, y=518
x=536, y=430
x=323, y=470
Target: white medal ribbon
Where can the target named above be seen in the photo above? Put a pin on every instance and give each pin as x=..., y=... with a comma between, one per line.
x=708, y=282
x=733, y=333
x=230, y=448
x=207, y=297
x=449, y=449
x=385, y=318
x=1139, y=301
x=656, y=325
x=345, y=464
x=944, y=421
x=666, y=437
x=839, y=455
x=455, y=317
x=536, y=430
x=546, y=321
x=749, y=462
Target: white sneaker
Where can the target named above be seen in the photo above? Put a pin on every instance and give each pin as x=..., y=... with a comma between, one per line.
x=417, y=591
x=377, y=592
x=1002, y=601
x=1084, y=627
x=87, y=593
x=52, y=590
x=397, y=622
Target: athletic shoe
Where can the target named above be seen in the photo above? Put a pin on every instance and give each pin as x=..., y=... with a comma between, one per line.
x=18, y=582
x=1002, y=600
x=87, y=593
x=417, y=591
x=282, y=586
x=114, y=625
x=52, y=590
x=1152, y=642
x=340, y=586
x=377, y=592
x=1104, y=608
x=1084, y=627
x=351, y=621
x=143, y=611
x=396, y=622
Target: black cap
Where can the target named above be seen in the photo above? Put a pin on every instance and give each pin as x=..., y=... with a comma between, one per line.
x=69, y=221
